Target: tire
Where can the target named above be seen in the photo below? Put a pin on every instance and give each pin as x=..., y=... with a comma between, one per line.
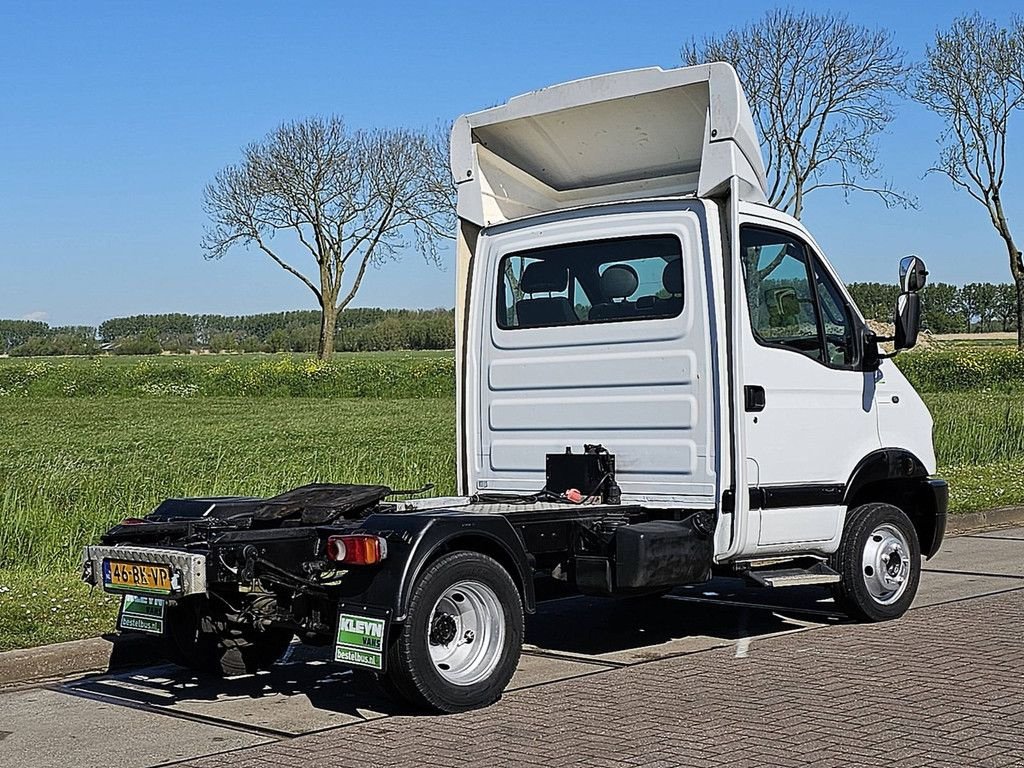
x=184, y=644
x=245, y=651
x=460, y=643
x=234, y=650
x=879, y=563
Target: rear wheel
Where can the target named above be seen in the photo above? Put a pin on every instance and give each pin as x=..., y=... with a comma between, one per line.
x=460, y=643
x=879, y=563
x=233, y=649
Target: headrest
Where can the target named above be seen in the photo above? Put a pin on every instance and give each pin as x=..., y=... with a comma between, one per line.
x=672, y=277
x=619, y=281
x=541, y=276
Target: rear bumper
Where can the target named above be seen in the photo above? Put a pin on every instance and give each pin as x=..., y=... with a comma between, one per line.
x=188, y=569
x=936, y=496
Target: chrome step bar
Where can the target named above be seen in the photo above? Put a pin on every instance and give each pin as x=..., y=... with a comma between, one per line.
x=819, y=573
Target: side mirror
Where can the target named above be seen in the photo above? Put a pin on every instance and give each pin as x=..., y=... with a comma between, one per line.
x=913, y=274
x=907, y=320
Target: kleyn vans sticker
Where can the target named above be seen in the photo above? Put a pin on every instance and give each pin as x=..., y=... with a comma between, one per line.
x=360, y=641
x=142, y=614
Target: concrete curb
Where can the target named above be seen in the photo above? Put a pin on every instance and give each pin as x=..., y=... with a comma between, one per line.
x=112, y=652
x=95, y=654
x=991, y=519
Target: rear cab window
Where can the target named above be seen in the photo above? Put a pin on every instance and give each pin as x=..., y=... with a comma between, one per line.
x=601, y=281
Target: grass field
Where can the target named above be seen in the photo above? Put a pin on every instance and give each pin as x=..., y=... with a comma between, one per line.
x=390, y=375
x=204, y=358
x=72, y=467
x=73, y=462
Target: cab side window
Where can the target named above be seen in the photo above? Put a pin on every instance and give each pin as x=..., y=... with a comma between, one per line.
x=794, y=303
x=780, y=295
x=840, y=347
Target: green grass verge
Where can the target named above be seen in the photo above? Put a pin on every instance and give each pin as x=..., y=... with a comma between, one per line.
x=977, y=487
x=977, y=428
x=39, y=607
x=72, y=469
x=942, y=368
x=204, y=358
x=960, y=368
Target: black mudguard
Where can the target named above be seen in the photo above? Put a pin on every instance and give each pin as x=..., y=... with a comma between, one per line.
x=415, y=539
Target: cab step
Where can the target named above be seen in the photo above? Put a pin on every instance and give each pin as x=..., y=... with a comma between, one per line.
x=818, y=573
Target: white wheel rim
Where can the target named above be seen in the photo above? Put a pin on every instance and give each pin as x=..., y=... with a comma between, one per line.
x=466, y=633
x=885, y=564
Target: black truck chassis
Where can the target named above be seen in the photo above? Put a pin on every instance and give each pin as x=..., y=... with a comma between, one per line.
x=260, y=571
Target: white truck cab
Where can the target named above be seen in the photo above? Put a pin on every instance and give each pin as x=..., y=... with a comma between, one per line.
x=623, y=281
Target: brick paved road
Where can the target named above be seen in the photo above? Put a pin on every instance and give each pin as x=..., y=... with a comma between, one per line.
x=942, y=687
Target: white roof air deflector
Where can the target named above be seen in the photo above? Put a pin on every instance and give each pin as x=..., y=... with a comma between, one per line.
x=627, y=135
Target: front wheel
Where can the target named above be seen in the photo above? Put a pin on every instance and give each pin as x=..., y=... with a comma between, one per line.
x=460, y=643
x=879, y=563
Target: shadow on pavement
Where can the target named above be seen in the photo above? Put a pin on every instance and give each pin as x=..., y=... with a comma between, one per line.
x=307, y=691
x=307, y=675
x=598, y=626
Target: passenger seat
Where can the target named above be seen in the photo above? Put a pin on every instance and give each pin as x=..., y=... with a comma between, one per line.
x=544, y=277
x=672, y=281
x=619, y=281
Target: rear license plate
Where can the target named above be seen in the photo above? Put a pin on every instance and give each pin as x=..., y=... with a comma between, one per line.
x=142, y=614
x=137, y=577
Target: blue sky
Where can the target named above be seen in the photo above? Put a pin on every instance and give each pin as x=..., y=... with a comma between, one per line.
x=113, y=116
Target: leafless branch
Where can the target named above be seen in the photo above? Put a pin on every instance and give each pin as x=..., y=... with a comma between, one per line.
x=821, y=89
x=288, y=268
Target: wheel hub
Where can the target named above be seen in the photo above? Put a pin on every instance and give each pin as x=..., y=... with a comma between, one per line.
x=467, y=632
x=442, y=629
x=886, y=564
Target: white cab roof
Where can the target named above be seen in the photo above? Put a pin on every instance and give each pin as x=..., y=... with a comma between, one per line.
x=622, y=136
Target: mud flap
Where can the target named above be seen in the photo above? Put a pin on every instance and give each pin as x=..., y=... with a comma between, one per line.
x=142, y=614
x=361, y=637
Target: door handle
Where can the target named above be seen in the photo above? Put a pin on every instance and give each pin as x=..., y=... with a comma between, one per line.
x=753, y=398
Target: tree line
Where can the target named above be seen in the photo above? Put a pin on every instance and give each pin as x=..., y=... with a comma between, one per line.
x=357, y=330
x=974, y=307
x=945, y=308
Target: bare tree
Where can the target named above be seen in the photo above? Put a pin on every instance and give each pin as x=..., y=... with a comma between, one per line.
x=348, y=198
x=821, y=89
x=973, y=77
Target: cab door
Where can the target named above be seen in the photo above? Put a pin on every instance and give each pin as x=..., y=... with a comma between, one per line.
x=809, y=409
